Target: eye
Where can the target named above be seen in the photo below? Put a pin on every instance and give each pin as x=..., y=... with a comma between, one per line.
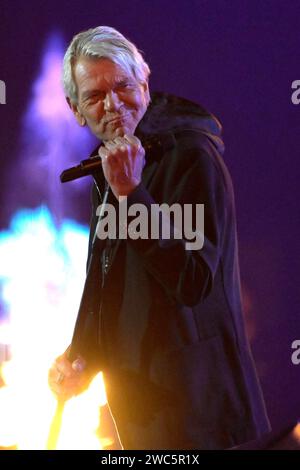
x=93, y=98
x=123, y=85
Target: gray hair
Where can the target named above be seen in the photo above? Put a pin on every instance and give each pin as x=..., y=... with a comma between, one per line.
x=102, y=42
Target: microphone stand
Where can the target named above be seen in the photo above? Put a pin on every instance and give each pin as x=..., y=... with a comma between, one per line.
x=72, y=354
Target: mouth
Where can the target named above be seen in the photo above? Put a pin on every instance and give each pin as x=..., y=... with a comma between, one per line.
x=117, y=119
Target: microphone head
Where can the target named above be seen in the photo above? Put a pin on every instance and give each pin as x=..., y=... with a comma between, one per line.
x=85, y=168
x=70, y=174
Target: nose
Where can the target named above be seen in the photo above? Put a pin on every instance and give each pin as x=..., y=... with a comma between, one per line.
x=112, y=102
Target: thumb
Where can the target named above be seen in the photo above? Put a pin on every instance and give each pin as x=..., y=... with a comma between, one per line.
x=79, y=364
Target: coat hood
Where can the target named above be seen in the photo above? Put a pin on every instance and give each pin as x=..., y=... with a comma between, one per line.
x=167, y=113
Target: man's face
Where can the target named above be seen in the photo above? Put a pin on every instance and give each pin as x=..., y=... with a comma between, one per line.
x=110, y=101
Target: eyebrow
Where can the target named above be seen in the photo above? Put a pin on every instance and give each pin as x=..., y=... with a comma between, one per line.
x=122, y=80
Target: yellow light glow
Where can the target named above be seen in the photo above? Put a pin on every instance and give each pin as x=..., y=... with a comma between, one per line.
x=27, y=407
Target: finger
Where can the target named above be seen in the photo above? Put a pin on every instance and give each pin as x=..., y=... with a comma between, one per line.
x=79, y=365
x=52, y=378
x=64, y=384
x=64, y=367
x=121, y=143
x=119, y=140
x=134, y=142
x=121, y=146
x=124, y=148
x=112, y=160
x=103, y=153
x=68, y=387
x=132, y=139
x=59, y=378
x=111, y=146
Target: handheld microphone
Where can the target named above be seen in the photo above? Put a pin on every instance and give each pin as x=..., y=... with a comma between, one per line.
x=92, y=164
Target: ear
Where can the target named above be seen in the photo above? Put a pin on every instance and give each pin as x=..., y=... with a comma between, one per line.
x=76, y=111
x=145, y=87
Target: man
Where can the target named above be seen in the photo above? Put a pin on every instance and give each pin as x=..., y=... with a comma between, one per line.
x=164, y=323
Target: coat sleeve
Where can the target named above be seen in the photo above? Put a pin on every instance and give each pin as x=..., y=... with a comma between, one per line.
x=191, y=174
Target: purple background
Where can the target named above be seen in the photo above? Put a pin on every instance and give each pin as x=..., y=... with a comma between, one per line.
x=238, y=59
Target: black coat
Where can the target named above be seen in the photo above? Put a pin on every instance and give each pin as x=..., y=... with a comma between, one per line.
x=177, y=366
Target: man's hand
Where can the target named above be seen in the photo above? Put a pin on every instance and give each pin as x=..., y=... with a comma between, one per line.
x=67, y=379
x=123, y=160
